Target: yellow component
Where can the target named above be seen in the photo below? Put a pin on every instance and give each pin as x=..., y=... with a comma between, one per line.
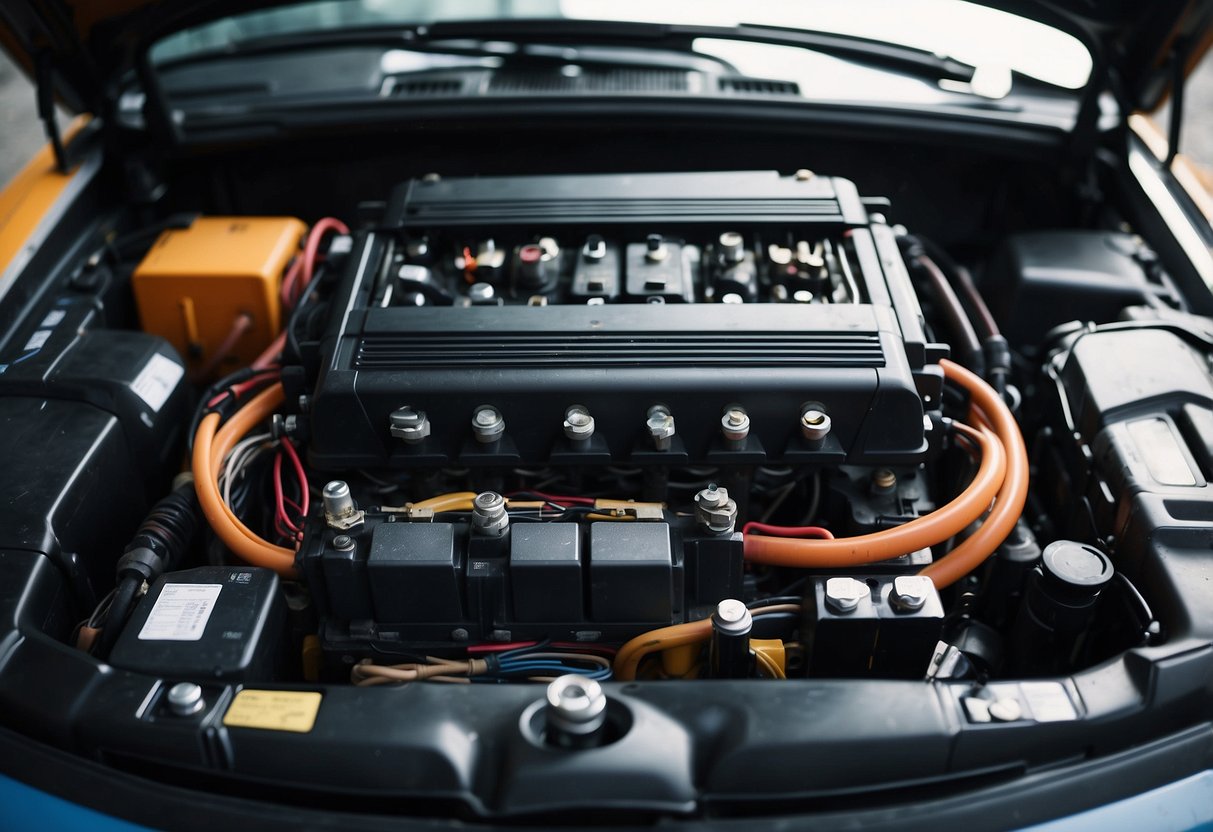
x=313, y=657
x=30, y=195
x=771, y=655
x=628, y=510
x=211, y=290
x=274, y=710
x=678, y=662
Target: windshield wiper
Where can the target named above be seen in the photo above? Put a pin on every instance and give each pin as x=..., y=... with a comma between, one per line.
x=494, y=38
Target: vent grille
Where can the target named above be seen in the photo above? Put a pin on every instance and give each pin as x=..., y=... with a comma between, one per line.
x=759, y=86
x=621, y=210
x=556, y=82
x=427, y=87
x=537, y=351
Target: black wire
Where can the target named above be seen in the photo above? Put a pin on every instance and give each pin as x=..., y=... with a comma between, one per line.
x=119, y=611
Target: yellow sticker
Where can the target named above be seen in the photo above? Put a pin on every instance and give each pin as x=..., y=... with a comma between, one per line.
x=274, y=710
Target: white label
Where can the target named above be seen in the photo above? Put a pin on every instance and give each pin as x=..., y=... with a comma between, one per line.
x=1049, y=701
x=53, y=318
x=37, y=340
x=157, y=380
x=181, y=612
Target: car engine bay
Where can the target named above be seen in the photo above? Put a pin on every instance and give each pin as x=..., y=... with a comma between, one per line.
x=699, y=433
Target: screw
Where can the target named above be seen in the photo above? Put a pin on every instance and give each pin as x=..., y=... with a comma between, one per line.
x=409, y=423
x=804, y=175
x=459, y=634
x=338, y=502
x=732, y=247
x=578, y=423
x=843, y=595
x=185, y=698
x=576, y=707
x=910, y=592
x=884, y=480
x=814, y=426
x=487, y=424
x=481, y=293
x=732, y=616
x=1005, y=710
x=715, y=511
x=660, y=423
x=489, y=516
x=343, y=543
x=735, y=425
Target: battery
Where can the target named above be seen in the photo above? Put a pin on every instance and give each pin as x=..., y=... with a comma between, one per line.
x=211, y=622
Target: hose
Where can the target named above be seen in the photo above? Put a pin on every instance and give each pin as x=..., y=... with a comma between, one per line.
x=211, y=445
x=920, y=533
x=954, y=312
x=1002, y=477
x=1008, y=506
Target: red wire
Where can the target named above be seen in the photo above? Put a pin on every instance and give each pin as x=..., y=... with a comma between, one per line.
x=243, y=387
x=280, y=515
x=288, y=280
x=300, y=476
x=788, y=531
x=311, y=249
x=556, y=498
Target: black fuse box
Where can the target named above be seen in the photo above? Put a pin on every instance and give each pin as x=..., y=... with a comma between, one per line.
x=878, y=626
x=211, y=622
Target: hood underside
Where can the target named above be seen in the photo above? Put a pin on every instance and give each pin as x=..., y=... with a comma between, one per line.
x=92, y=42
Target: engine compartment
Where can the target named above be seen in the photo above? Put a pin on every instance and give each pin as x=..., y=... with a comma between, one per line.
x=699, y=433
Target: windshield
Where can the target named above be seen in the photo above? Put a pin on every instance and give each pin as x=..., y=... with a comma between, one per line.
x=968, y=32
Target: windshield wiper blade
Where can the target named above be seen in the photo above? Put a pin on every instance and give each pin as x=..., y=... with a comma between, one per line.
x=676, y=36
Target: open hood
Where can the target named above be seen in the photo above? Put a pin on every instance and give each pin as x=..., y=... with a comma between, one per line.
x=84, y=44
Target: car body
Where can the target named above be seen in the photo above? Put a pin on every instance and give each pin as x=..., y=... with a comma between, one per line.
x=363, y=365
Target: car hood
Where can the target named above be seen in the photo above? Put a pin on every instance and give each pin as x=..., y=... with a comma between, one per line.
x=92, y=42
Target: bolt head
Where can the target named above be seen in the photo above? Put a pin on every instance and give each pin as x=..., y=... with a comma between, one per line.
x=814, y=424
x=1005, y=710
x=487, y=424
x=409, y=424
x=576, y=704
x=343, y=542
x=842, y=595
x=732, y=616
x=185, y=698
x=910, y=592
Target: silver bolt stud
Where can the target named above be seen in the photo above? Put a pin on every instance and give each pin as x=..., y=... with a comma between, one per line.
x=479, y=293
x=409, y=424
x=735, y=426
x=714, y=511
x=804, y=175
x=732, y=616
x=185, y=699
x=910, y=592
x=814, y=426
x=575, y=706
x=487, y=424
x=338, y=502
x=343, y=543
x=732, y=247
x=842, y=595
x=578, y=424
x=489, y=517
x=660, y=424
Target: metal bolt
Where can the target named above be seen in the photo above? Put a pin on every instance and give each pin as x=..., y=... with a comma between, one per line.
x=338, y=502
x=843, y=595
x=660, y=423
x=409, y=423
x=487, y=424
x=804, y=175
x=732, y=616
x=732, y=297
x=185, y=699
x=732, y=247
x=735, y=425
x=1005, y=710
x=884, y=480
x=578, y=423
x=910, y=592
x=459, y=634
x=814, y=426
x=481, y=293
x=489, y=516
x=576, y=706
x=715, y=511
x=343, y=543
